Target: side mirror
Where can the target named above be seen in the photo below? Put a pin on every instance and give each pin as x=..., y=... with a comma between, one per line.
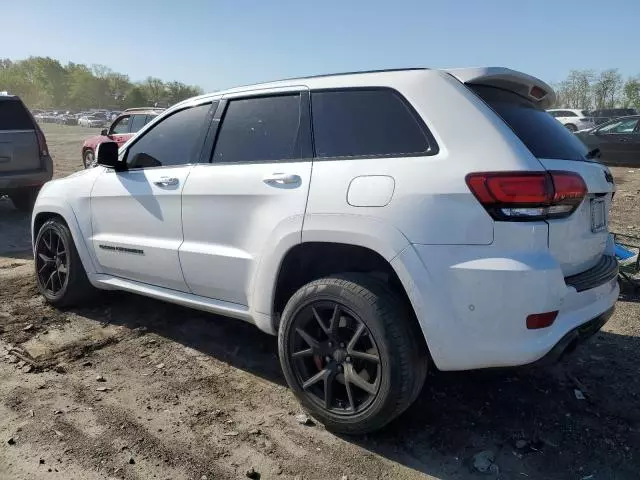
x=107, y=156
x=104, y=132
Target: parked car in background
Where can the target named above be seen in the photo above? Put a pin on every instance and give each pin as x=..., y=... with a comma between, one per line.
x=66, y=118
x=121, y=130
x=47, y=116
x=572, y=119
x=93, y=121
x=25, y=163
x=604, y=115
x=617, y=141
x=379, y=223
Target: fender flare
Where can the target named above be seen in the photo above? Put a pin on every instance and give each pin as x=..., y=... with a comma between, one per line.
x=357, y=230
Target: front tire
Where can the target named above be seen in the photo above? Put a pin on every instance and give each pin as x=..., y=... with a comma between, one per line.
x=25, y=198
x=60, y=275
x=571, y=127
x=88, y=158
x=350, y=352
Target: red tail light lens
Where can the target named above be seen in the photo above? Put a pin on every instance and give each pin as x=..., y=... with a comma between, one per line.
x=537, y=92
x=42, y=143
x=541, y=320
x=522, y=196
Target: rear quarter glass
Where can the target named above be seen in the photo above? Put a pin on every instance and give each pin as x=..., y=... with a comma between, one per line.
x=14, y=115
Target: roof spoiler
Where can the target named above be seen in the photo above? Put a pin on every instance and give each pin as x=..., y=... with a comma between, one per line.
x=525, y=85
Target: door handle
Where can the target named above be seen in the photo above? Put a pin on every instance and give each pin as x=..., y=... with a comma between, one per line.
x=166, y=182
x=280, y=179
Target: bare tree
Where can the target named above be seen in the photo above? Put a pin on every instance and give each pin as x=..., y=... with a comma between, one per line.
x=607, y=88
x=575, y=91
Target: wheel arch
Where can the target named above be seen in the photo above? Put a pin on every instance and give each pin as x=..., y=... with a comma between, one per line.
x=42, y=214
x=309, y=261
x=355, y=230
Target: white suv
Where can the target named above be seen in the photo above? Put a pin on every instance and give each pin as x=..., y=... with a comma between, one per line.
x=377, y=222
x=573, y=119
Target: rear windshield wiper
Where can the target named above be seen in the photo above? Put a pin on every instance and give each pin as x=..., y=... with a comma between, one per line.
x=595, y=153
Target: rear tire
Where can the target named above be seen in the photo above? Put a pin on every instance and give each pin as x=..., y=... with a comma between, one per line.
x=60, y=275
x=571, y=127
x=25, y=198
x=389, y=350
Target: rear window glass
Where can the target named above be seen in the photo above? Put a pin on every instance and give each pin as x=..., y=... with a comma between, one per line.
x=14, y=116
x=356, y=123
x=542, y=134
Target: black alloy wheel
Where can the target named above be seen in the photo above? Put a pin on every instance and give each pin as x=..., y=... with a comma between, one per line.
x=352, y=352
x=52, y=263
x=61, y=277
x=334, y=358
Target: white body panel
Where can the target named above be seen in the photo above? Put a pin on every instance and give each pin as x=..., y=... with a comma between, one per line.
x=217, y=240
x=575, y=247
x=137, y=225
x=231, y=213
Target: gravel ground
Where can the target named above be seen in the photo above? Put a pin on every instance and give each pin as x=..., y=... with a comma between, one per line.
x=135, y=388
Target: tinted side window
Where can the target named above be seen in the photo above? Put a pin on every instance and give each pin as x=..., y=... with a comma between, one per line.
x=264, y=129
x=624, y=126
x=14, y=116
x=569, y=113
x=137, y=122
x=356, y=123
x=121, y=125
x=176, y=140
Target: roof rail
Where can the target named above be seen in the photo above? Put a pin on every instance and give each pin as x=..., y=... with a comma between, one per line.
x=139, y=109
x=384, y=70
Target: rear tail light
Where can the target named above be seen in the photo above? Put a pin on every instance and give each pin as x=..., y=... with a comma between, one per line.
x=527, y=196
x=42, y=143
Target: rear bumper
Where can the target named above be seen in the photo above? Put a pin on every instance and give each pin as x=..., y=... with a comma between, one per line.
x=575, y=337
x=31, y=178
x=472, y=303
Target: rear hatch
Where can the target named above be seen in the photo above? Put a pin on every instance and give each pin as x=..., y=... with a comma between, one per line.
x=19, y=150
x=578, y=241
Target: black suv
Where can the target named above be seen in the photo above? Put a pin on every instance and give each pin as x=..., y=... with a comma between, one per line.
x=25, y=163
x=606, y=114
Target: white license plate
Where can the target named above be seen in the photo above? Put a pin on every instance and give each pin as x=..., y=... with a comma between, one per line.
x=598, y=215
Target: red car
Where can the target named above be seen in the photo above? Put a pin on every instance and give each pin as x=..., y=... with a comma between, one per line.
x=122, y=129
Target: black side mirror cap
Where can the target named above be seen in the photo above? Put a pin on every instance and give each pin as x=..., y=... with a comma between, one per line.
x=107, y=156
x=104, y=132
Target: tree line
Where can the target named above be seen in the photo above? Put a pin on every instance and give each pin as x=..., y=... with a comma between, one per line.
x=43, y=82
x=592, y=90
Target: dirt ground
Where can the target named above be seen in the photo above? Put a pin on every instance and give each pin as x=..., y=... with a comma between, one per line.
x=138, y=389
